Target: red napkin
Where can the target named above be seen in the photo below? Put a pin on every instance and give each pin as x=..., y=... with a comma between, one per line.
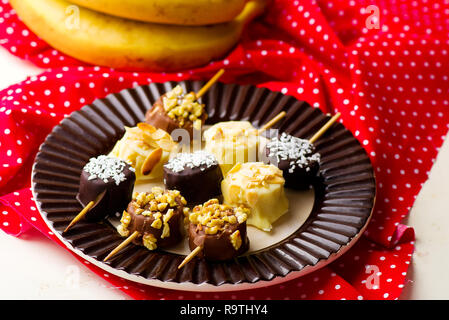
x=382, y=64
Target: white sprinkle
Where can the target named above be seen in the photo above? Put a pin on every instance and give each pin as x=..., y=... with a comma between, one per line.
x=105, y=168
x=299, y=152
x=197, y=159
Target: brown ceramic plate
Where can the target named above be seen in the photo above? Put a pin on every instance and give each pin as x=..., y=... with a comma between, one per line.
x=322, y=223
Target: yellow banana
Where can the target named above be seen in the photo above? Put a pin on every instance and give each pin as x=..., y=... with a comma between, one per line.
x=106, y=40
x=179, y=12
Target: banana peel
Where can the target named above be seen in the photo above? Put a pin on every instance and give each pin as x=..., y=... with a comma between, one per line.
x=179, y=12
x=105, y=40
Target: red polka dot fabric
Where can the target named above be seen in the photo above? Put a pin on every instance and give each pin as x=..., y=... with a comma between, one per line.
x=383, y=64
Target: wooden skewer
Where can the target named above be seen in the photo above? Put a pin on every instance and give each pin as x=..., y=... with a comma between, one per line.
x=209, y=84
x=85, y=210
x=324, y=128
x=272, y=122
x=190, y=256
x=130, y=238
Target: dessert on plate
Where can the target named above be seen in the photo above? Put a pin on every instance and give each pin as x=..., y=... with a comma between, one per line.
x=296, y=158
x=196, y=175
x=146, y=148
x=219, y=230
x=156, y=218
x=232, y=142
x=259, y=187
x=177, y=110
x=106, y=186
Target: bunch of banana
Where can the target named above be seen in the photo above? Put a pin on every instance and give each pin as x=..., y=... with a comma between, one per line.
x=182, y=33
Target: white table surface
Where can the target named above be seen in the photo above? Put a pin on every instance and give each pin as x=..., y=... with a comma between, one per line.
x=32, y=267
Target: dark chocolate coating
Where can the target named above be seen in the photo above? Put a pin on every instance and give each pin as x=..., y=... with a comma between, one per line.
x=300, y=178
x=142, y=224
x=195, y=184
x=115, y=199
x=157, y=117
x=218, y=247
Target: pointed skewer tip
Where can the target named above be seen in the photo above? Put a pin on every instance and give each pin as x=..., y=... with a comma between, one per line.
x=122, y=245
x=190, y=256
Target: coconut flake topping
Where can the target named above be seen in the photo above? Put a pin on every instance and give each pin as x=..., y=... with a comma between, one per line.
x=191, y=160
x=299, y=152
x=105, y=168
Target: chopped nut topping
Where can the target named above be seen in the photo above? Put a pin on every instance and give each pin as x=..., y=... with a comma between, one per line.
x=154, y=205
x=156, y=201
x=149, y=241
x=168, y=215
x=182, y=107
x=126, y=219
x=121, y=229
x=162, y=206
x=214, y=216
x=157, y=224
x=166, y=218
x=236, y=239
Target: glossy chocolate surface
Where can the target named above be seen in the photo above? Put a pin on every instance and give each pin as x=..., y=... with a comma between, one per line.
x=297, y=159
x=197, y=184
x=115, y=199
x=299, y=178
x=218, y=247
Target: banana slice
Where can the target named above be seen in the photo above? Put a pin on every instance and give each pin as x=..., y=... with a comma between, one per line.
x=106, y=40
